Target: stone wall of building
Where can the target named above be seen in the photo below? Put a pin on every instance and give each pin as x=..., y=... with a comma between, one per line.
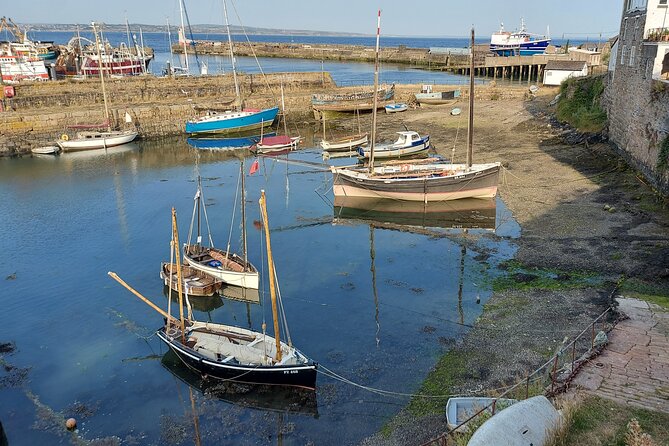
x=637, y=105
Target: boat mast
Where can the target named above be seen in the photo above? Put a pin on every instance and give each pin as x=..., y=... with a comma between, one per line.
x=102, y=77
x=232, y=54
x=283, y=109
x=180, y=282
x=169, y=42
x=270, y=271
x=183, y=33
x=244, y=247
x=127, y=32
x=470, y=127
x=376, y=95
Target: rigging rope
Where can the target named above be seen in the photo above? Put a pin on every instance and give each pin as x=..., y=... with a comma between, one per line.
x=234, y=8
x=234, y=211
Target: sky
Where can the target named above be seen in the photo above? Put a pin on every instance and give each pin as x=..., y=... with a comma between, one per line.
x=437, y=18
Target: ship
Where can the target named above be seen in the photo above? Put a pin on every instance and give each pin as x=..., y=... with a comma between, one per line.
x=518, y=43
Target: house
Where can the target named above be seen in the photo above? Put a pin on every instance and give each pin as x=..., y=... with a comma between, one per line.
x=636, y=97
x=557, y=71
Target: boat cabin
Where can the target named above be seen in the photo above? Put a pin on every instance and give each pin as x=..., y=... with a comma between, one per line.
x=407, y=138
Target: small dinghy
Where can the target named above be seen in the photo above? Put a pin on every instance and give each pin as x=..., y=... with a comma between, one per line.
x=195, y=282
x=396, y=108
x=456, y=111
x=46, y=150
x=459, y=410
x=527, y=422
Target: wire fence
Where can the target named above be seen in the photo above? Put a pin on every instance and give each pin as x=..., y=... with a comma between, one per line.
x=551, y=378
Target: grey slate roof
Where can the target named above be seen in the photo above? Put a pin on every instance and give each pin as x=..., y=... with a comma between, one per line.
x=565, y=65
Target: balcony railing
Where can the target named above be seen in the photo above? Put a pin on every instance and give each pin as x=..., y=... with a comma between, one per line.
x=657, y=35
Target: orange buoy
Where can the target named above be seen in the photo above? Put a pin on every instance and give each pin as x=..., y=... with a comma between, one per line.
x=71, y=423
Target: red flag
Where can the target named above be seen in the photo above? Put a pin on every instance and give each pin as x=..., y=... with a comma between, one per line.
x=254, y=167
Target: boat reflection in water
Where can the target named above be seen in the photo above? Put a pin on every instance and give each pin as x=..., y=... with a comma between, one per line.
x=240, y=141
x=469, y=213
x=204, y=304
x=254, y=396
x=93, y=153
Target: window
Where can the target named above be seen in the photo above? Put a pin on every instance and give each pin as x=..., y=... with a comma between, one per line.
x=662, y=3
x=624, y=33
x=622, y=55
x=632, y=5
x=632, y=54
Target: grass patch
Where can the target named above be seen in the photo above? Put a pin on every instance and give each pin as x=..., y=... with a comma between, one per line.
x=447, y=373
x=521, y=277
x=596, y=421
x=663, y=155
x=579, y=104
x=646, y=292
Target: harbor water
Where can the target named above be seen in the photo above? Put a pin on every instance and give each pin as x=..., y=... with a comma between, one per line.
x=371, y=300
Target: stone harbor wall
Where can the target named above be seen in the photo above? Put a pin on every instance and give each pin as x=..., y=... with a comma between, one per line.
x=638, y=105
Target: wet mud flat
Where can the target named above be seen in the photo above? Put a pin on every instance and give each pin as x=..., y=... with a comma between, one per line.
x=591, y=229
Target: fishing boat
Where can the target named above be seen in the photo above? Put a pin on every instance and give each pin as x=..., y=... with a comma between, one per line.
x=396, y=108
x=232, y=120
x=195, y=282
x=419, y=181
x=518, y=43
x=428, y=97
x=96, y=139
x=15, y=69
x=220, y=263
x=232, y=353
x=408, y=143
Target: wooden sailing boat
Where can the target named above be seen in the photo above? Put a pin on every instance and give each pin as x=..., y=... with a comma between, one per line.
x=233, y=353
x=344, y=143
x=96, y=139
x=415, y=181
x=231, y=120
x=221, y=264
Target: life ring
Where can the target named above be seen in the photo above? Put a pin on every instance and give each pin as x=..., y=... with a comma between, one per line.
x=404, y=168
x=64, y=137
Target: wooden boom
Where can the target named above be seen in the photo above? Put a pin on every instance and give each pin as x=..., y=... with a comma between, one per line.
x=114, y=276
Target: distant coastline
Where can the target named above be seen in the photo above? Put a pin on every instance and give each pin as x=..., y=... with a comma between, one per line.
x=199, y=29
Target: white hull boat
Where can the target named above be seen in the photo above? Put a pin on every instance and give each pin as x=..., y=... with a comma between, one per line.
x=96, y=140
x=345, y=144
x=227, y=267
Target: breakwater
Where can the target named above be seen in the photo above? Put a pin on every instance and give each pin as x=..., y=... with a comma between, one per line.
x=422, y=57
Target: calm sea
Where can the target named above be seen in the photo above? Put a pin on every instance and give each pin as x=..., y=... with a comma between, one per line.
x=377, y=304
x=343, y=73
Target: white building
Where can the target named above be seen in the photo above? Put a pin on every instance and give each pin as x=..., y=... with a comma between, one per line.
x=557, y=71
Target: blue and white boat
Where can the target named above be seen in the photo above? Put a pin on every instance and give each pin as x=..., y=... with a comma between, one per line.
x=232, y=121
x=228, y=121
x=396, y=108
x=408, y=143
x=517, y=43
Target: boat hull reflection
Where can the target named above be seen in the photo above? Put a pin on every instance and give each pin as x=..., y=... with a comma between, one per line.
x=254, y=396
x=470, y=213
